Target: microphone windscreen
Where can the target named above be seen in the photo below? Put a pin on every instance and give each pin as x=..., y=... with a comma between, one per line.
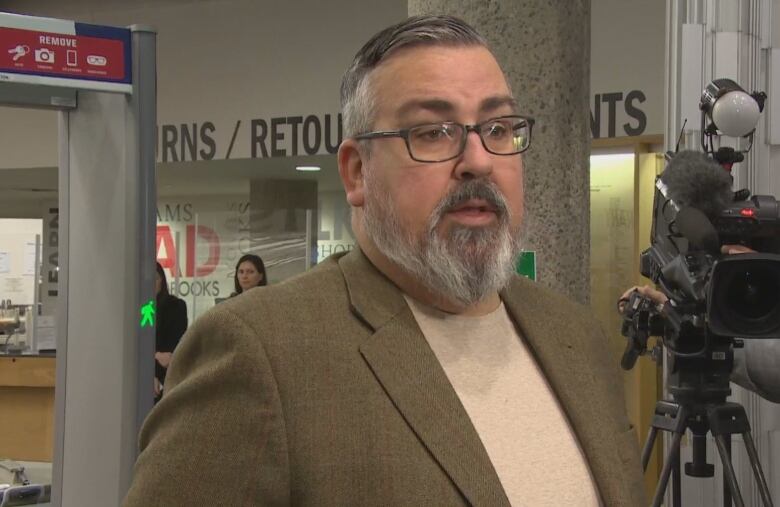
x=698, y=230
x=695, y=180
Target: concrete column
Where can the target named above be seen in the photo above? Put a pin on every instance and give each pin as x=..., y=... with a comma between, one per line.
x=544, y=49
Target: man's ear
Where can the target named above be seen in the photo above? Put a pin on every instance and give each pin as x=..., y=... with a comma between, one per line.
x=351, y=171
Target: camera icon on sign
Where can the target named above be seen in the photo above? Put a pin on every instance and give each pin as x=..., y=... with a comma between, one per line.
x=44, y=55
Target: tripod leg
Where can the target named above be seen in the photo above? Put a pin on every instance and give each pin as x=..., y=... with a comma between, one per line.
x=728, y=471
x=726, y=488
x=756, y=465
x=671, y=458
x=647, y=450
x=676, y=483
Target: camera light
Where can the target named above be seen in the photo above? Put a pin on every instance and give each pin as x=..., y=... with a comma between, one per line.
x=735, y=113
x=731, y=112
x=747, y=212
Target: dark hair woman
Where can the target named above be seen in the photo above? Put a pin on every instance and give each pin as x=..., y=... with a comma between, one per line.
x=171, y=324
x=250, y=272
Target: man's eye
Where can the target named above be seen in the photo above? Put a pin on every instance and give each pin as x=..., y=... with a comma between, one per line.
x=432, y=133
x=496, y=129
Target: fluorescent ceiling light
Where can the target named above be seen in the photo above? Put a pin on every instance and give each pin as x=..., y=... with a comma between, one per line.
x=307, y=168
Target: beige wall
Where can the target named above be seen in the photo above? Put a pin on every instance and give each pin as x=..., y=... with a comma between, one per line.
x=225, y=61
x=627, y=55
x=222, y=61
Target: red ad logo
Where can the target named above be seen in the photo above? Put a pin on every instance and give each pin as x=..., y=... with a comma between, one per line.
x=169, y=261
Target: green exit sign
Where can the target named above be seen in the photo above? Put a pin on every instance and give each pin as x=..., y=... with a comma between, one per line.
x=526, y=265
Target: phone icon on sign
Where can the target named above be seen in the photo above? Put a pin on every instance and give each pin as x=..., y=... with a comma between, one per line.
x=71, y=60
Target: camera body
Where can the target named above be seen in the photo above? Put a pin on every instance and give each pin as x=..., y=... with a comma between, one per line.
x=754, y=222
x=714, y=299
x=735, y=296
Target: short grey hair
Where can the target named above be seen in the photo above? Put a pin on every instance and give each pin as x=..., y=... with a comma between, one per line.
x=357, y=99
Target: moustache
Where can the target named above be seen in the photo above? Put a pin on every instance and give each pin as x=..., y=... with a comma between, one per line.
x=474, y=189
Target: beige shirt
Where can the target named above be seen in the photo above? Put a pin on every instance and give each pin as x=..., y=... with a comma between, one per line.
x=515, y=412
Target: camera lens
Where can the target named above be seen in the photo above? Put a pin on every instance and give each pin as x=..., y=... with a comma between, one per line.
x=753, y=293
x=745, y=297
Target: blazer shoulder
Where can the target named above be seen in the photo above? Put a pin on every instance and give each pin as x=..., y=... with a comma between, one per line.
x=318, y=290
x=535, y=296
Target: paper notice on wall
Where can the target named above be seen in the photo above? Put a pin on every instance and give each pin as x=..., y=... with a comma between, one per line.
x=45, y=333
x=13, y=286
x=29, y=259
x=5, y=262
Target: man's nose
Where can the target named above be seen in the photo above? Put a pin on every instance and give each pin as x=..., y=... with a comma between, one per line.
x=475, y=161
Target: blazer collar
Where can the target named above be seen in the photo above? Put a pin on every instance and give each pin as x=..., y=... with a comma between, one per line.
x=403, y=362
x=374, y=298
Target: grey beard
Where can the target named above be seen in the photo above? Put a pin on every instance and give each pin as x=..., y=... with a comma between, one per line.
x=465, y=266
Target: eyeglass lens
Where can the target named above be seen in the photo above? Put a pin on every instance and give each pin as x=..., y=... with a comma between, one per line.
x=440, y=141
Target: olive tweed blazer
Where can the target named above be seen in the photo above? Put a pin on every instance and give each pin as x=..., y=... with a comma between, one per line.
x=322, y=391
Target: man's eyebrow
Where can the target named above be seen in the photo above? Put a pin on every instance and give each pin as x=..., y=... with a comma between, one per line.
x=433, y=105
x=493, y=103
x=444, y=106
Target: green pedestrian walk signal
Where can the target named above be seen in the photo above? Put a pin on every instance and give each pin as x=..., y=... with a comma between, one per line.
x=147, y=314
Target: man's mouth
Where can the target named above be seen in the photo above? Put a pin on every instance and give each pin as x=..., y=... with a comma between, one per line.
x=474, y=206
x=474, y=212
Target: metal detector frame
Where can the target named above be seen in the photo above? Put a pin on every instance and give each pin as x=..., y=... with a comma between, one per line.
x=107, y=216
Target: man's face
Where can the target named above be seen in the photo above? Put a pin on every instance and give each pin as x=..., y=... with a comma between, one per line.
x=456, y=222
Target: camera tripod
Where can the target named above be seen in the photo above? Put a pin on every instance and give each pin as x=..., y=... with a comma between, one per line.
x=722, y=419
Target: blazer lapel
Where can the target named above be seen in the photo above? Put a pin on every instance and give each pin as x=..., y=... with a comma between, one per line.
x=410, y=373
x=557, y=345
x=546, y=339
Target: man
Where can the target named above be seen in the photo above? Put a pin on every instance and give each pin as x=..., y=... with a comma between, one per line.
x=417, y=369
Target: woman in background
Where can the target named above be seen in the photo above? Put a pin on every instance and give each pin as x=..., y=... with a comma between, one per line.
x=250, y=272
x=171, y=324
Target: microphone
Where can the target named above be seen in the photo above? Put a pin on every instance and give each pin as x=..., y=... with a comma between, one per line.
x=698, y=230
x=694, y=180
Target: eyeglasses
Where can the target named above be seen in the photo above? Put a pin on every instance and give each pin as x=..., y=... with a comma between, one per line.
x=439, y=142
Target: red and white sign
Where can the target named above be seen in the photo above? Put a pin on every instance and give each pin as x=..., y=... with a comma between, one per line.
x=61, y=55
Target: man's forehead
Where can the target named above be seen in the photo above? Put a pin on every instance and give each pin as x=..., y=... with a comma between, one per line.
x=427, y=60
x=441, y=79
x=443, y=105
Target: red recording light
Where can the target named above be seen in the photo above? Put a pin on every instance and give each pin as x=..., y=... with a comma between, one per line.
x=747, y=212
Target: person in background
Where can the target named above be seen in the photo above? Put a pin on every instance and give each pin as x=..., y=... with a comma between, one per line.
x=171, y=324
x=250, y=272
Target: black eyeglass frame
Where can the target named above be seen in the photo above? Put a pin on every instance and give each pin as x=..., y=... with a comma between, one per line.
x=404, y=134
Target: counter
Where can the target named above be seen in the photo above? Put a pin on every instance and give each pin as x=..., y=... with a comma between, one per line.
x=27, y=407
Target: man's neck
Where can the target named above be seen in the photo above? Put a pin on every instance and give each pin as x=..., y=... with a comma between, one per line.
x=414, y=289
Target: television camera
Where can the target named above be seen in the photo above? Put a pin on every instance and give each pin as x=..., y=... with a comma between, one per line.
x=712, y=301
